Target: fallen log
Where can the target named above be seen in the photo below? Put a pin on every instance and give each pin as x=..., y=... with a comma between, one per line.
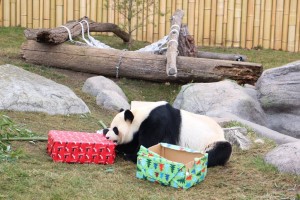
x=59, y=35
x=138, y=65
x=172, y=50
x=221, y=56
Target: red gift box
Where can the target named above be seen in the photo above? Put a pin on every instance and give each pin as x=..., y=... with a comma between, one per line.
x=80, y=147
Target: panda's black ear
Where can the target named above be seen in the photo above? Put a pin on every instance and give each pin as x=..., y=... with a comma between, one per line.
x=121, y=110
x=128, y=116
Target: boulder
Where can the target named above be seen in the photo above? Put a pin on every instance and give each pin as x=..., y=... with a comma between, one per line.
x=236, y=136
x=111, y=100
x=279, y=95
x=220, y=98
x=285, y=157
x=96, y=84
x=21, y=90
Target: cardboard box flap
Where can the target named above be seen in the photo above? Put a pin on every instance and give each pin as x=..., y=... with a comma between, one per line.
x=156, y=167
x=177, y=154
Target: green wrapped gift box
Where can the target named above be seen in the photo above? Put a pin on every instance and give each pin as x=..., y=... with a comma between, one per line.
x=171, y=165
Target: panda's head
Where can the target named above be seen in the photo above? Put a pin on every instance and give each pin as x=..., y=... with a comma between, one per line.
x=120, y=130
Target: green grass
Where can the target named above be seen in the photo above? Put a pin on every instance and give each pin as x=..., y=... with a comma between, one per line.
x=36, y=176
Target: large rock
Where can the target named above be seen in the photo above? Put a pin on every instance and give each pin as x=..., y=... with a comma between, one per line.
x=111, y=100
x=285, y=157
x=96, y=84
x=220, y=99
x=21, y=90
x=279, y=95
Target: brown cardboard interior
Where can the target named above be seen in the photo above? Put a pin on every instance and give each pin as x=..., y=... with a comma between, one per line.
x=184, y=157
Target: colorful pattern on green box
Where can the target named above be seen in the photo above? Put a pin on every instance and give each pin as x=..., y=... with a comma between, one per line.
x=153, y=167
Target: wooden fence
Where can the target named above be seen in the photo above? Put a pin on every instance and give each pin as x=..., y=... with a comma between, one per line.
x=273, y=24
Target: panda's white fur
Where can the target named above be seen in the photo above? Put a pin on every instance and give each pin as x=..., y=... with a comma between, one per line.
x=197, y=132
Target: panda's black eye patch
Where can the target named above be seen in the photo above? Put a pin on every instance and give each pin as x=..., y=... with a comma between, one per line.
x=116, y=130
x=121, y=110
x=105, y=131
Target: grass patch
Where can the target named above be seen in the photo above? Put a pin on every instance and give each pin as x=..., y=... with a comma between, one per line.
x=36, y=176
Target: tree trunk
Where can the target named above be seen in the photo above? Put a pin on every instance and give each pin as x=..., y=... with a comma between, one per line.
x=186, y=43
x=221, y=56
x=172, y=50
x=110, y=62
x=59, y=35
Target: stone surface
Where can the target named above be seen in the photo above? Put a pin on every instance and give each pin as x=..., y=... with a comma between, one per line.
x=21, y=90
x=218, y=99
x=277, y=137
x=285, y=157
x=279, y=95
x=111, y=100
x=96, y=84
x=235, y=137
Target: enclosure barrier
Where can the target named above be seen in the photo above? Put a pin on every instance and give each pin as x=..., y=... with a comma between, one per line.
x=270, y=24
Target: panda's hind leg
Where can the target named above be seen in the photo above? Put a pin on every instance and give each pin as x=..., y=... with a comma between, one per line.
x=218, y=153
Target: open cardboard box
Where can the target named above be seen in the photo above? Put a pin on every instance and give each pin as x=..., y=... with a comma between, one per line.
x=171, y=165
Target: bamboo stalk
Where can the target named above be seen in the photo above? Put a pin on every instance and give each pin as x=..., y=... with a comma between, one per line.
x=256, y=23
x=244, y=23
x=196, y=14
x=262, y=17
x=145, y=19
x=179, y=5
x=212, y=40
x=82, y=8
x=185, y=9
x=105, y=13
x=70, y=10
x=18, y=13
x=267, y=24
x=59, y=12
x=77, y=9
x=207, y=20
x=219, y=22
x=237, y=23
x=150, y=24
x=286, y=11
x=169, y=11
x=278, y=25
x=191, y=16
x=111, y=16
x=12, y=17
x=1, y=13
x=156, y=30
x=6, y=13
x=201, y=23
x=133, y=34
x=52, y=14
x=273, y=22
x=297, y=48
x=29, y=14
x=88, y=8
x=36, y=14
x=162, y=19
x=292, y=26
x=41, y=17
x=225, y=21
x=24, y=15
x=46, y=16
x=230, y=14
x=98, y=11
x=250, y=22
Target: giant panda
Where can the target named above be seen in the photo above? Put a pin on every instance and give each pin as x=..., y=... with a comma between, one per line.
x=160, y=122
